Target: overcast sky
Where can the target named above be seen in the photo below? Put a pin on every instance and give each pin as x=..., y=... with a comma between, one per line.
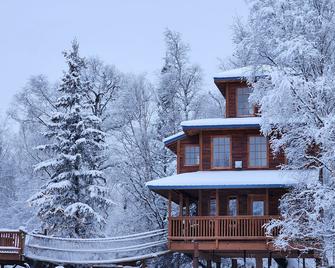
x=126, y=33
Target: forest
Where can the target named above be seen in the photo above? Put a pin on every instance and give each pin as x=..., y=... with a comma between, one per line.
x=75, y=153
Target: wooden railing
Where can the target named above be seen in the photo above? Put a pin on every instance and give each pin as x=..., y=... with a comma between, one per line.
x=218, y=227
x=11, y=245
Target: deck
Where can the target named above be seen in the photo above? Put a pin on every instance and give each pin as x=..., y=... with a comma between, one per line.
x=11, y=246
x=224, y=233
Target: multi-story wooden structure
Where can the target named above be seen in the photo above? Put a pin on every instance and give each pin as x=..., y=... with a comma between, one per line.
x=228, y=183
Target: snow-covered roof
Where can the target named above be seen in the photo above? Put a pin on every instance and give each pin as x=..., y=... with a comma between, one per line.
x=214, y=123
x=229, y=179
x=243, y=73
x=222, y=123
x=174, y=137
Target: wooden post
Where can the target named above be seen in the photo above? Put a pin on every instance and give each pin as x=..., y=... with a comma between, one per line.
x=267, y=202
x=270, y=260
x=217, y=221
x=200, y=203
x=208, y=263
x=196, y=255
x=187, y=204
x=259, y=262
x=181, y=204
x=234, y=263
x=169, y=216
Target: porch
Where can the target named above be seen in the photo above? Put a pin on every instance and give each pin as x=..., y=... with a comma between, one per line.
x=221, y=219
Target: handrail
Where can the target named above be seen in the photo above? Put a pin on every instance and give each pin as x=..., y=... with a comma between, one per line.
x=244, y=227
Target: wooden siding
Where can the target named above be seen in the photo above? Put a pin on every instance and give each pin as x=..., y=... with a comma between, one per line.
x=243, y=198
x=239, y=151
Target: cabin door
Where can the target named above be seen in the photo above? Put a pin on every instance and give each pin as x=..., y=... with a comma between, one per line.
x=257, y=205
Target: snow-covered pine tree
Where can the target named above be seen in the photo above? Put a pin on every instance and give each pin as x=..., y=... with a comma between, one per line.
x=74, y=201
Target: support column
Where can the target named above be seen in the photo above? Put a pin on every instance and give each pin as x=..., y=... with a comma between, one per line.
x=181, y=204
x=267, y=202
x=169, y=204
x=187, y=205
x=259, y=262
x=234, y=263
x=200, y=203
x=196, y=255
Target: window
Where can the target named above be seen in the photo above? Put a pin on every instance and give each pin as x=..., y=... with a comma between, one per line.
x=191, y=155
x=221, y=152
x=232, y=206
x=244, y=107
x=258, y=208
x=258, y=151
x=212, y=207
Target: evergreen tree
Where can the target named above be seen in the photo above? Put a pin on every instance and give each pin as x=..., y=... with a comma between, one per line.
x=74, y=201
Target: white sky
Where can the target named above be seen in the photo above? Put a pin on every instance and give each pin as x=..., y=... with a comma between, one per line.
x=126, y=33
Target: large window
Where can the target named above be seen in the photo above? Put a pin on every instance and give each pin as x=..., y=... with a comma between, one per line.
x=258, y=151
x=221, y=152
x=191, y=155
x=244, y=107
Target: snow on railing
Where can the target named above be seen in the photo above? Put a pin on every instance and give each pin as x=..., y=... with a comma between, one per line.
x=97, y=250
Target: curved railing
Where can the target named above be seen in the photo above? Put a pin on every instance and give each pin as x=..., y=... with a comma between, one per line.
x=95, y=251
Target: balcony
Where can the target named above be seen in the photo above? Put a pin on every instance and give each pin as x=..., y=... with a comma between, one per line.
x=219, y=232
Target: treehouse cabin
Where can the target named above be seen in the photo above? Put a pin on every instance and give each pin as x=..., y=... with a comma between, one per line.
x=228, y=182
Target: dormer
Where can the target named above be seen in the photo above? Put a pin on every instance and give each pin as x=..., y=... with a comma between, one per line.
x=234, y=88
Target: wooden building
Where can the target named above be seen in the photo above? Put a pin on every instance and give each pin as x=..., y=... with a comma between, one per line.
x=228, y=183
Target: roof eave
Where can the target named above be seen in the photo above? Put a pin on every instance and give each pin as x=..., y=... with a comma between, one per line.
x=190, y=187
x=185, y=128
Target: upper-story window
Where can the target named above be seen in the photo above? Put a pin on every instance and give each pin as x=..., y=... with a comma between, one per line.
x=258, y=152
x=244, y=107
x=221, y=152
x=192, y=155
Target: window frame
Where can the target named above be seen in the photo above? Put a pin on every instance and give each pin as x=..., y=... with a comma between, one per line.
x=258, y=197
x=184, y=162
x=230, y=153
x=267, y=153
x=237, y=205
x=237, y=102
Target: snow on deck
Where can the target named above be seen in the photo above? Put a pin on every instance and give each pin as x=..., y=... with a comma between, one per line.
x=243, y=72
x=230, y=179
x=222, y=123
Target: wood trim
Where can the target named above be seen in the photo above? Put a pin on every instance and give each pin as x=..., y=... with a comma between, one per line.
x=256, y=197
x=190, y=145
x=267, y=153
x=217, y=198
x=230, y=155
x=178, y=157
x=227, y=97
x=267, y=201
x=201, y=146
